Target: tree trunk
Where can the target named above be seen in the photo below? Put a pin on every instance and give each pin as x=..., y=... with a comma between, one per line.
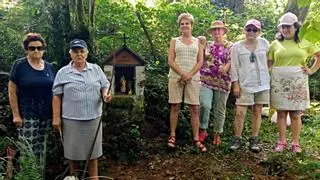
x=236, y=6
x=91, y=12
x=153, y=51
x=80, y=12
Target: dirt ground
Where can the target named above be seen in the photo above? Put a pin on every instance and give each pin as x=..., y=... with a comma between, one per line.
x=186, y=163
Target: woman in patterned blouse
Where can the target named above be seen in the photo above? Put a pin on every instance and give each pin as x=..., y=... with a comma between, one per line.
x=215, y=81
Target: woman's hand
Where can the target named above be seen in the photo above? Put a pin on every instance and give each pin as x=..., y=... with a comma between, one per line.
x=106, y=97
x=306, y=70
x=202, y=40
x=223, y=69
x=56, y=124
x=186, y=76
x=18, y=121
x=236, y=90
x=182, y=82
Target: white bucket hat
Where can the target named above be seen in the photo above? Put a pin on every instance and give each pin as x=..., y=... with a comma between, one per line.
x=288, y=19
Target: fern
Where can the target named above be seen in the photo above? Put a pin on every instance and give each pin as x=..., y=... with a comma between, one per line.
x=31, y=167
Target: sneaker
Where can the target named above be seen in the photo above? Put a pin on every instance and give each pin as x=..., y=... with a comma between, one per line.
x=236, y=143
x=203, y=135
x=281, y=146
x=254, y=144
x=296, y=148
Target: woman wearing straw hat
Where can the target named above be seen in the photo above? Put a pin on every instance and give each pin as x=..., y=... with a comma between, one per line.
x=289, y=82
x=215, y=81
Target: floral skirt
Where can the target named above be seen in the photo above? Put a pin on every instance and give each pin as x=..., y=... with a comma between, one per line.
x=289, y=89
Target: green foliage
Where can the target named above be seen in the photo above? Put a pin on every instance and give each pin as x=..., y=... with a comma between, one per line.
x=304, y=3
x=2, y=169
x=30, y=166
x=124, y=102
x=122, y=138
x=10, y=47
x=311, y=28
x=4, y=143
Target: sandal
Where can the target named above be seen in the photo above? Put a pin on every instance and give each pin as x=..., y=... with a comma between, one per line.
x=172, y=141
x=296, y=148
x=200, y=146
x=216, y=140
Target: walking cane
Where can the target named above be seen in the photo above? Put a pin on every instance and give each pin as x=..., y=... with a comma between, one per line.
x=100, y=122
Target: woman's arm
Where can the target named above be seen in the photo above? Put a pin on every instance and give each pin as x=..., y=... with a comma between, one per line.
x=13, y=100
x=56, y=110
x=316, y=65
x=270, y=63
x=234, y=72
x=106, y=95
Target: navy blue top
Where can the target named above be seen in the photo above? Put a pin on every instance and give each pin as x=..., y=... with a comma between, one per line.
x=33, y=89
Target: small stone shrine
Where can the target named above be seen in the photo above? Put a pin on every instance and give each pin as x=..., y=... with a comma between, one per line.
x=129, y=69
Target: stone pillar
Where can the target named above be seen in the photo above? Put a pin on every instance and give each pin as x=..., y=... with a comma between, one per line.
x=108, y=69
x=140, y=80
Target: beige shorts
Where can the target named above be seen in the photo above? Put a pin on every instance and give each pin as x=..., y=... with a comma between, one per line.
x=191, y=91
x=262, y=97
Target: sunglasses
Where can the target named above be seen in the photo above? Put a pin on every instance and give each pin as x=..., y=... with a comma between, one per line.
x=33, y=48
x=252, y=57
x=252, y=30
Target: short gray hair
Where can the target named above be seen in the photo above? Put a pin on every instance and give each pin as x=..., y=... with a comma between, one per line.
x=186, y=16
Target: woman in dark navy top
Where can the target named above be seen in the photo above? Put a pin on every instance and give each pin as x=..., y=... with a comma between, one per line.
x=30, y=94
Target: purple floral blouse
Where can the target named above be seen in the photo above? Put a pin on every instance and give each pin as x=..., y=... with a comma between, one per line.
x=216, y=55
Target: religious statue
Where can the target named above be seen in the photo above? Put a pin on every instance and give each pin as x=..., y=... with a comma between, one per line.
x=123, y=83
x=129, y=86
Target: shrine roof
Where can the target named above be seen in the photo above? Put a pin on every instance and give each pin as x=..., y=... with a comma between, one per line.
x=109, y=59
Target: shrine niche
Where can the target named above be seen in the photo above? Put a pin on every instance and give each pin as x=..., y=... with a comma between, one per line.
x=129, y=69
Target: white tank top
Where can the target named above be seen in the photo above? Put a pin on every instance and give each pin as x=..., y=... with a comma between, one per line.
x=186, y=57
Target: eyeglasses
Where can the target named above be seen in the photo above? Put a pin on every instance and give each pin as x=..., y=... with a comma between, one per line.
x=33, y=48
x=252, y=57
x=252, y=30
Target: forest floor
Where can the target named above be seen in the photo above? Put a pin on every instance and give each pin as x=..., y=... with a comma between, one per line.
x=218, y=163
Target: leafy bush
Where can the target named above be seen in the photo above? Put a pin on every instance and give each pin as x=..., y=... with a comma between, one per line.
x=122, y=138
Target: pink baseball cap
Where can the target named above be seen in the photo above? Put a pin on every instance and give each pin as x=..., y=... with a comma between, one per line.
x=253, y=22
x=288, y=19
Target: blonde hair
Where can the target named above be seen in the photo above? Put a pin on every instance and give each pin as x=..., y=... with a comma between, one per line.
x=186, y=16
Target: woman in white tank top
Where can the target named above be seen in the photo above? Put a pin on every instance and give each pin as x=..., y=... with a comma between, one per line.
x=185, y=59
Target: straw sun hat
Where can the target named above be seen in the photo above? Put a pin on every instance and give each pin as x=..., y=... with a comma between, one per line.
x=218, y=24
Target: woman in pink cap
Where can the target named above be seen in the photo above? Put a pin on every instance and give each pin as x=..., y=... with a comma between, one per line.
x=251, y=81
x=215, y=81
x=289, y=78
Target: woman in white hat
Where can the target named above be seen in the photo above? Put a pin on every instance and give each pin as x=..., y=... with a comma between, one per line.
x=289, y=82
x=251, y=82
x=215, y=81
